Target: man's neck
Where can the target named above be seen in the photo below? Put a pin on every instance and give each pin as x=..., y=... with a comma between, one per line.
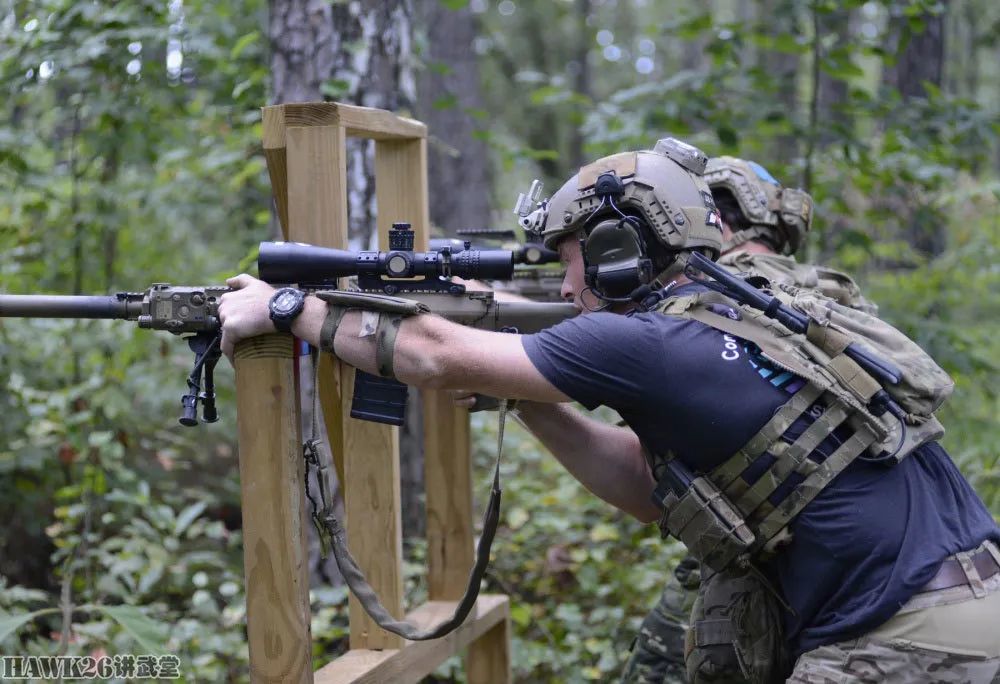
x=751, y=247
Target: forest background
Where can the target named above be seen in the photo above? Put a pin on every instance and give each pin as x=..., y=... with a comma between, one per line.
x=130, y=153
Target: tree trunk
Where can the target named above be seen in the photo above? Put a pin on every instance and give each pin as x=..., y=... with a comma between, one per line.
x=921, y=57
x=451, y=104
x=833, y=91
x=358, y=53
x=301, y=34
x=581, y=81
x=784, y=67
x=920, y=60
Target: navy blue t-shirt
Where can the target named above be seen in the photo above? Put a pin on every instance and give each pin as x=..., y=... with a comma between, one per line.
x=860, y=549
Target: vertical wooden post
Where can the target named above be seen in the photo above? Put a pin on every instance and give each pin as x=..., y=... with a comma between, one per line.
x=366, y=455
x=488, y=659
x=448, y=479
x=317, y=215
x=305, y=149
x=274, y=524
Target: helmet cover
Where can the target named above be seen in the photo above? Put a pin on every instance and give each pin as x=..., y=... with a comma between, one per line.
x=782, y=214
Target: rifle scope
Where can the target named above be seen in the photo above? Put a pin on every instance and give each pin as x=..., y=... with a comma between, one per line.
x=294, y=262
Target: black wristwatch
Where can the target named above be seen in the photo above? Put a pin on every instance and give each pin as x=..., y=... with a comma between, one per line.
x=285, y=305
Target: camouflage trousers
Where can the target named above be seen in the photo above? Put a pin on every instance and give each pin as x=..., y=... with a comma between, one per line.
x=951, y=635
x=946, y=636
x=658, y=651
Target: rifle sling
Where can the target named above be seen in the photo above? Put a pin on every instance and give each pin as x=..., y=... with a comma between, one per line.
x=369, y=600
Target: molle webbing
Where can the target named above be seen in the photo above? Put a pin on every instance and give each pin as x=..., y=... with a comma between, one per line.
x=782, y=419
x=835, y=384
x=793, y=459
x=771, y=524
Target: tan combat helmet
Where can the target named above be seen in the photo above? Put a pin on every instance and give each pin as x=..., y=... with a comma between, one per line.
x=638, y=210
x=664, y=186
x=782, y=215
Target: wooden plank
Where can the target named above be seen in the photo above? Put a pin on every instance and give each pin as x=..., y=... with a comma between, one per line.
x=360, y=122
x=274, y=154
x=420, y=658
x=401, y=188
x=275, y=554
x=366, y=454
x=317, y=201
x=488, y=660
x=374, y=520
x=401, y=193
x=448, y=480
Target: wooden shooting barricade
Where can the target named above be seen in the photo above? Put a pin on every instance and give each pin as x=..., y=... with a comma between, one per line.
x=305, y=149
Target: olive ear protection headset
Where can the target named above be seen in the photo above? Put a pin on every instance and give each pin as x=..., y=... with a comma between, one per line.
x=615, y=260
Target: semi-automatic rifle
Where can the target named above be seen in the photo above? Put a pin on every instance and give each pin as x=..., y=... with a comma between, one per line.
x=427, y=277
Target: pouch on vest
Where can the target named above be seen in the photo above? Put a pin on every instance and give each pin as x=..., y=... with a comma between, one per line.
x=707, y=523
x=735, y=633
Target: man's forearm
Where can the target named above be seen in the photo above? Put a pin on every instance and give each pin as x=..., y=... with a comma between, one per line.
x=606, y=459
x=414, y=362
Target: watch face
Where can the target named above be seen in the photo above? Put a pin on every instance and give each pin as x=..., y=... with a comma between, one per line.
x=285, y=302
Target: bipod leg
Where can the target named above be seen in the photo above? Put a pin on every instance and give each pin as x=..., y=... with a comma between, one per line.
x=206, y=354
x=212, y=356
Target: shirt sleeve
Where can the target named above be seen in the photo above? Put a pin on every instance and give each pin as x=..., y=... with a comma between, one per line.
x=600, y=358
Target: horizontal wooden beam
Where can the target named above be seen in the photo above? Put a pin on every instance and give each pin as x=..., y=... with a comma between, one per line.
x=358, y=122
x=417, y=659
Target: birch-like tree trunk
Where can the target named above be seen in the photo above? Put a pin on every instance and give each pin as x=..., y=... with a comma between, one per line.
x=356, y=53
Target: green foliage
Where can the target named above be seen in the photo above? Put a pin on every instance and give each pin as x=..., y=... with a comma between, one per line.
x=132, y=137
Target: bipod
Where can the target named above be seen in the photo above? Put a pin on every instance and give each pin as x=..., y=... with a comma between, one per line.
x=207, y=351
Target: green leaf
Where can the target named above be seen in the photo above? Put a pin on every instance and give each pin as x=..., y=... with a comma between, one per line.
x=841, y=68
x=520, y=614
x=540, y=95
x=446, y=102
x=243, y=43
x=727, y=135
x=11, y=623
x=151, y=635
x=455, y=5
x=187, y=516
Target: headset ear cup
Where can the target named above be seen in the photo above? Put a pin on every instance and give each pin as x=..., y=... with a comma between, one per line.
x=615, y=259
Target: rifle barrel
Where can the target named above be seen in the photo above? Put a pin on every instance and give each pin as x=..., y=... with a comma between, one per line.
x=62, y=306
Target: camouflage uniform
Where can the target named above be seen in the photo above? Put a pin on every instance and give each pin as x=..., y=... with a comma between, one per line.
x=940, y=636
x=658, y=650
